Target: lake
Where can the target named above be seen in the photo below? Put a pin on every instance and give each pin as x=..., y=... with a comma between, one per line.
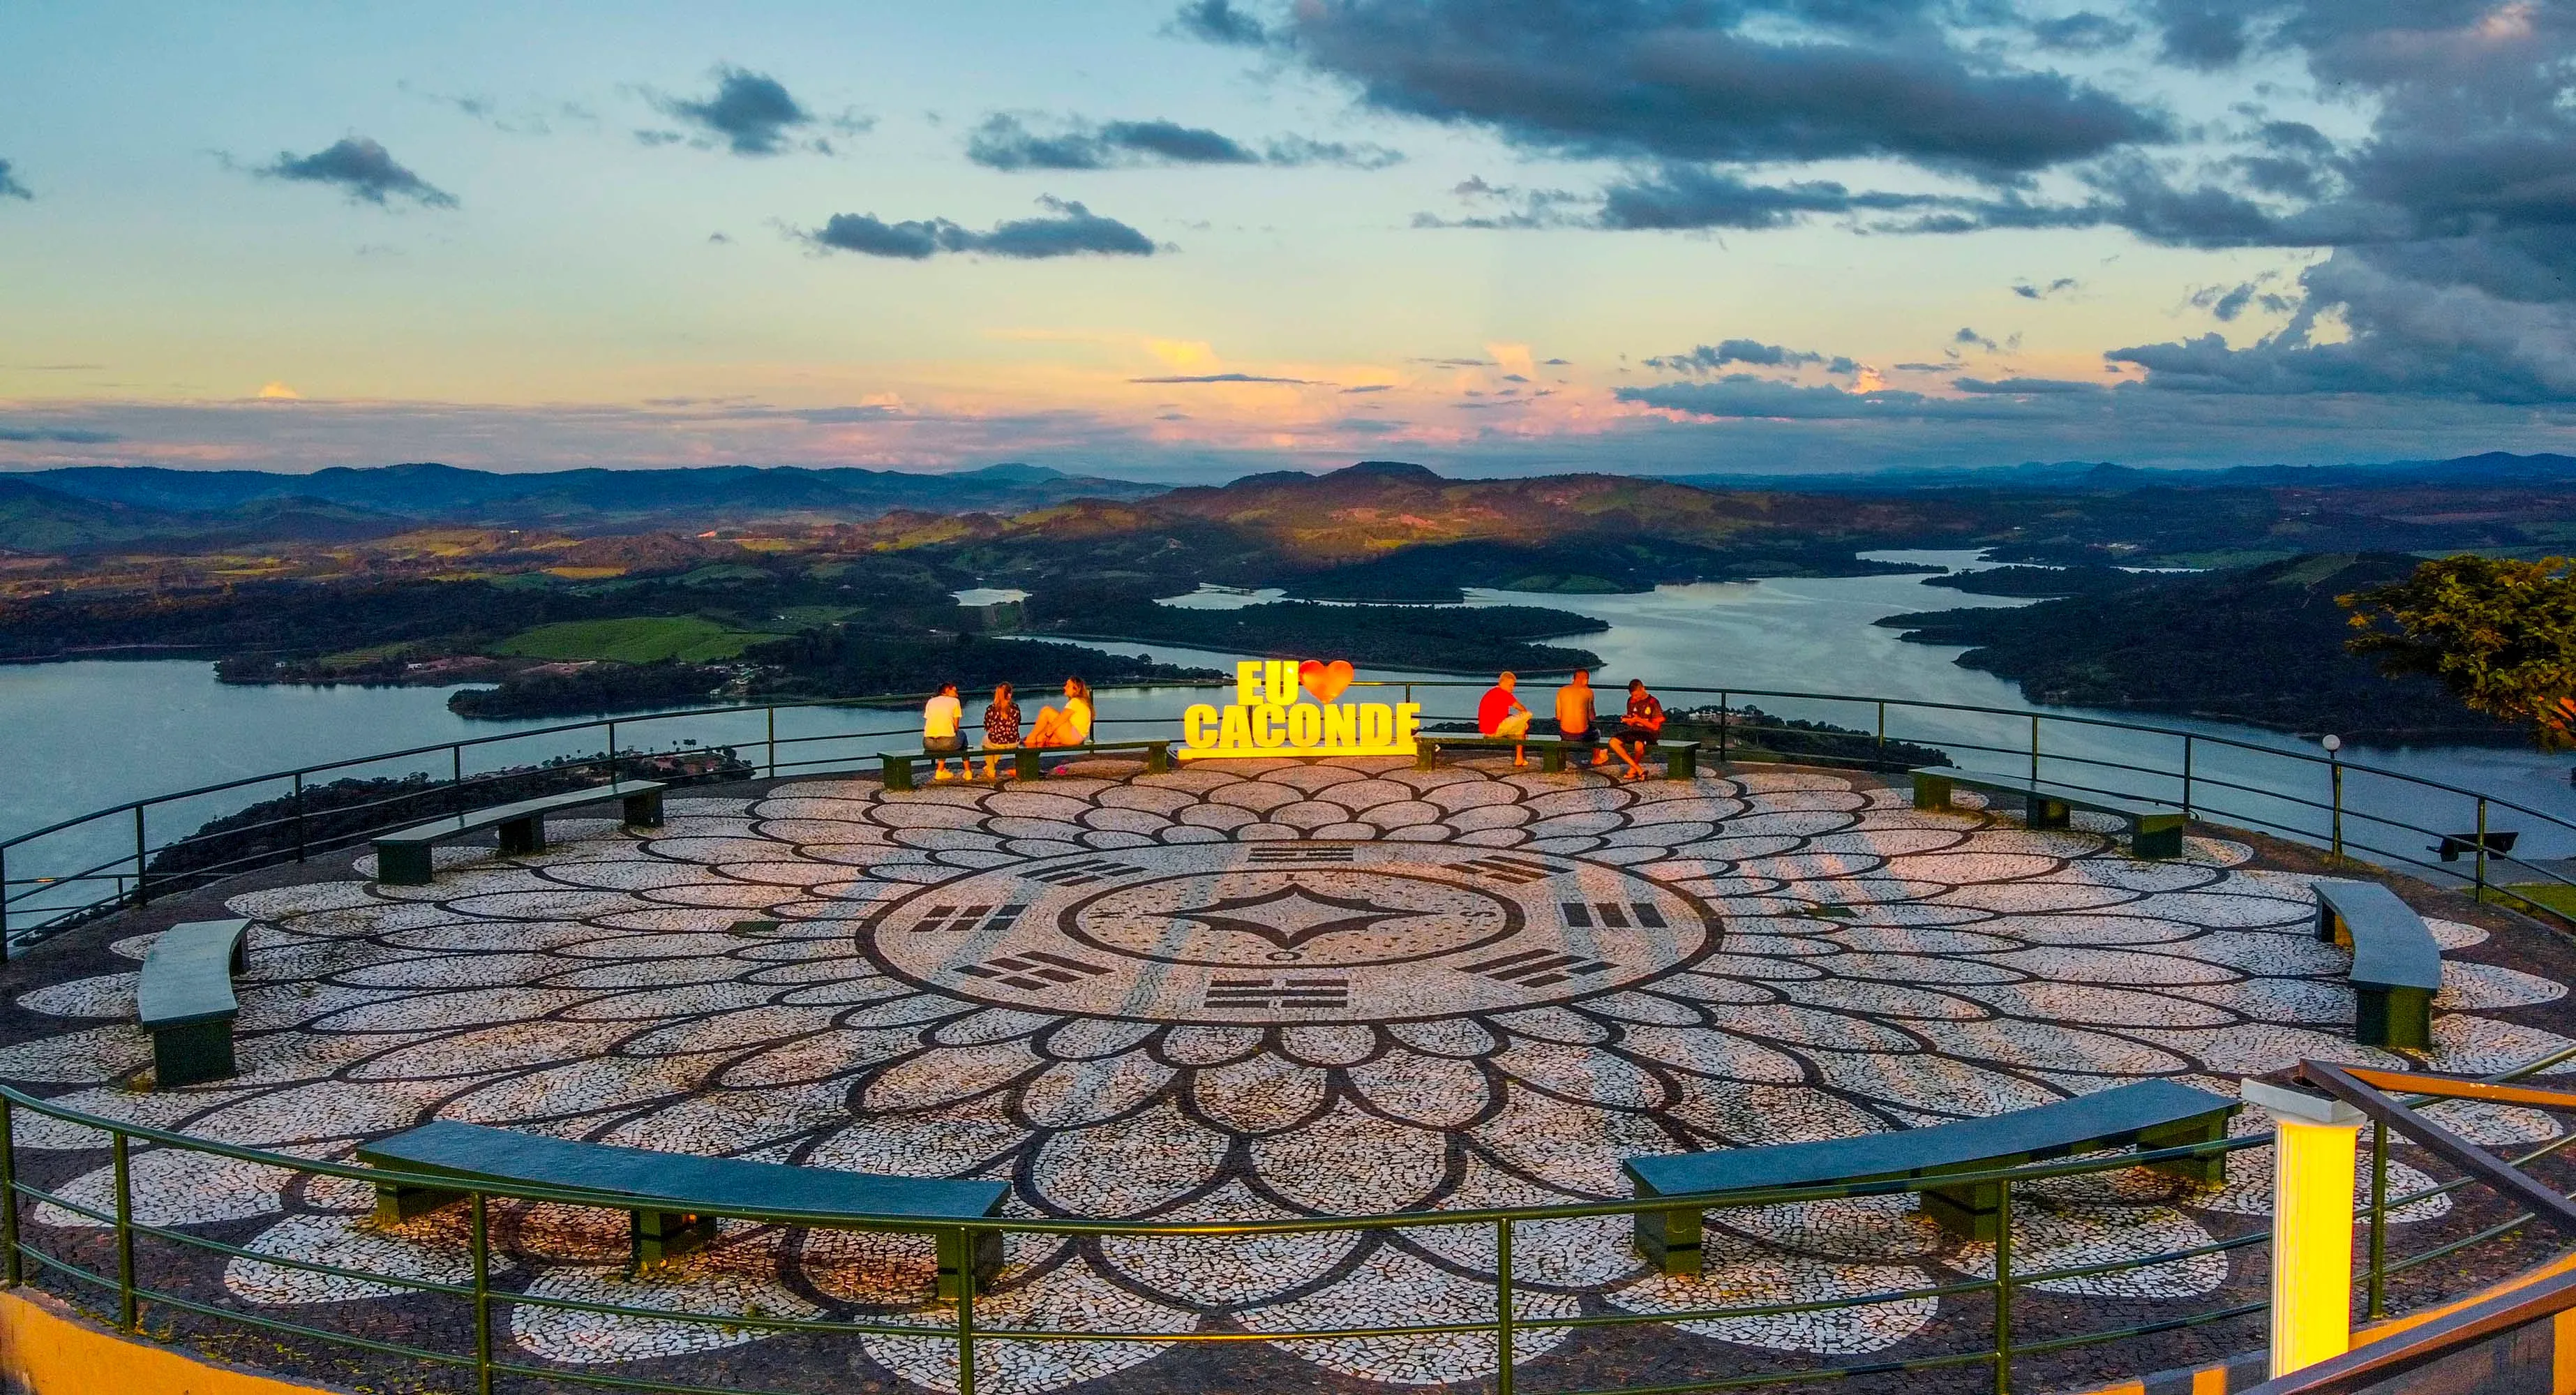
x=95, y=734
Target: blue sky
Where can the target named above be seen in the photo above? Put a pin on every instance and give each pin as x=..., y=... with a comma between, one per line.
x=1187, y=242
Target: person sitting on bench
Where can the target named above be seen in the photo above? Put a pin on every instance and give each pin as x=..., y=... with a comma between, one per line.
x=1069, y=725
x=1574, y=716
x=1499, y=713
x=1001, y=725
x=1639, y=730
x=939, y=718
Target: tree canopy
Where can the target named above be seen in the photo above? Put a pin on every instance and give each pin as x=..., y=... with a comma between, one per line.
x=2500, y=634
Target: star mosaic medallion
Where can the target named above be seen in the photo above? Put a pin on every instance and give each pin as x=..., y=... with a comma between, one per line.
x=1256, y=990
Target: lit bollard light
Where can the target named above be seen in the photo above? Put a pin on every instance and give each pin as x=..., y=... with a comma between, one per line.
x=2314, y=1140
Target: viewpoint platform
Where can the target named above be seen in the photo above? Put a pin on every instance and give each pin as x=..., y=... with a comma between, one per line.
x=1238, y=991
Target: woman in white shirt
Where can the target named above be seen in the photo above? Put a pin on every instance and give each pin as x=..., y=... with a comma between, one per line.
x=1069, y=725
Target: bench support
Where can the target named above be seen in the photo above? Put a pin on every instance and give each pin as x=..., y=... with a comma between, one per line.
x=523, y=836
x=2392, y=1017
x=403, y=864
x=1670, y=1240
x=400, y=1205
x=191, y=1053
x=656, y=1236
x=953, y=1245
x=642, y=810
x=1681, y=761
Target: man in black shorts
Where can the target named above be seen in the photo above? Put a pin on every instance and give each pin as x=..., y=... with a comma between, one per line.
x=1639, y=729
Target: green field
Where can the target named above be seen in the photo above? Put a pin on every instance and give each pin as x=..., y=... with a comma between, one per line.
x=640, y=640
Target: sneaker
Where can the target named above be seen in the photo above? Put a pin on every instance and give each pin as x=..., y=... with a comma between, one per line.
x=939, y=774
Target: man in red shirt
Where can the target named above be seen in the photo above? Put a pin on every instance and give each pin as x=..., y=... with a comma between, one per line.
x=1499, y=713
x=1638, y=730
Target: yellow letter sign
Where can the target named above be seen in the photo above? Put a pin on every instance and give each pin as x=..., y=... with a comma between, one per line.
x=1266, y=719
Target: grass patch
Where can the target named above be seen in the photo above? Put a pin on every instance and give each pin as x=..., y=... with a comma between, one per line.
x=2556, y=897
x=639, y=640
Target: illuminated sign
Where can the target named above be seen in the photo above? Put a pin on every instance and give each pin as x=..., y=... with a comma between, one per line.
x=1266, y=718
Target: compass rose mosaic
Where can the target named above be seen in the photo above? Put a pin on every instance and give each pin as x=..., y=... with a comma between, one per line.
x=1290, y=932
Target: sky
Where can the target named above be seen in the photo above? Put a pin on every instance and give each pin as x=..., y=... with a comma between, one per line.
x=1189, y=241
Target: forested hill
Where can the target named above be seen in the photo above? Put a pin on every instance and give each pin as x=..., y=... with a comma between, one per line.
x=2261, y=645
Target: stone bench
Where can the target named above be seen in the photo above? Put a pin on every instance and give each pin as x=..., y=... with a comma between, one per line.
x=403, y=856
x=2151, y=1114
x=2154, y=827
x=1027, y=762
x=185, y=999
x=2396, y=962
x=1681, y=758
x=673, y=1199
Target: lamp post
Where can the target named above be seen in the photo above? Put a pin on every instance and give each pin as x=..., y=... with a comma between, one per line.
x=2334, y=759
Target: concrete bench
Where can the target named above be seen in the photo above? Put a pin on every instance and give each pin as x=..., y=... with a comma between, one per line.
x=403, y=859
x=2150, y=1114
x=2154, y=827
x=673, y=1199
x=1027, y=762
x=2396, y=963
x=185, y=999
x=1681, y=758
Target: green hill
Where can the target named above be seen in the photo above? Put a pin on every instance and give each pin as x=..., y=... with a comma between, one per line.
x=2262, y=645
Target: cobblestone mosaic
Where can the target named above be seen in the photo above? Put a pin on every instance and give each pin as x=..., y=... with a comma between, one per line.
x=1261, y=991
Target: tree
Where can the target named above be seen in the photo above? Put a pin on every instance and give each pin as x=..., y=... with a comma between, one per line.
x=2500, y=634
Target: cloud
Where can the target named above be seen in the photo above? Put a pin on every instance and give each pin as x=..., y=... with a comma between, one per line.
x=1070, y=229
x=1218, y=22
x=1368, y=387
x=2083, y=32
x=1693, y=82
x=1743, y=395
x=10, y=188
x=55, y=435
x=362, y=169
x=278, y=392
x=2202, y=34
x=1686, y=196
x=2228, y=302
x=2028, y=291
x=2018, y=386
x=751, y=114
x=1708, y=358
x=1971, y=337
x=1226, y=378
x=1004, y=141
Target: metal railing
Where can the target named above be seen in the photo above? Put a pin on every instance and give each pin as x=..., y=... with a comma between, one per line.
x=2220, y=779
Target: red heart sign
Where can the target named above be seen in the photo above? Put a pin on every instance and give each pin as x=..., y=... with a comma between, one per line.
x=1325, y=681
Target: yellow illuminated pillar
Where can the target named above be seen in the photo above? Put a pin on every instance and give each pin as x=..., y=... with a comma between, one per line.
x=2313, y=1143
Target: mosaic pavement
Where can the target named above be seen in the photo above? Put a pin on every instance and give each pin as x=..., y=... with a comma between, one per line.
x=1264, y=991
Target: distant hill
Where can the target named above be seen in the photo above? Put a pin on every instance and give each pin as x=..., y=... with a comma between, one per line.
x=2489, y=468
x=34, y=518
x=704, y=494
x=2262, y=645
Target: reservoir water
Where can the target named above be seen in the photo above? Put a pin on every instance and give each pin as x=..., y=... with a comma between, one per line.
x=91, y=735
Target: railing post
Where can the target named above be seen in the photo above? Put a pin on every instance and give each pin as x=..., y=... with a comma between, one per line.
x=4, y=916
x=2482, y=849
x=456, y=778
x=773, y=741
x=612, y=748
x=143, y=888
x=479, y=1242
x=966, y=1317
x=2034, y=748
x=15, y=1267
x=1503, y=1305
x=125, y=1306
x=299, y=816
x=1722, y=724
x=2336, y=758
x=2378, y=1221
x=1882, y=731
x=2186, y=776
x=2003, y=1289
